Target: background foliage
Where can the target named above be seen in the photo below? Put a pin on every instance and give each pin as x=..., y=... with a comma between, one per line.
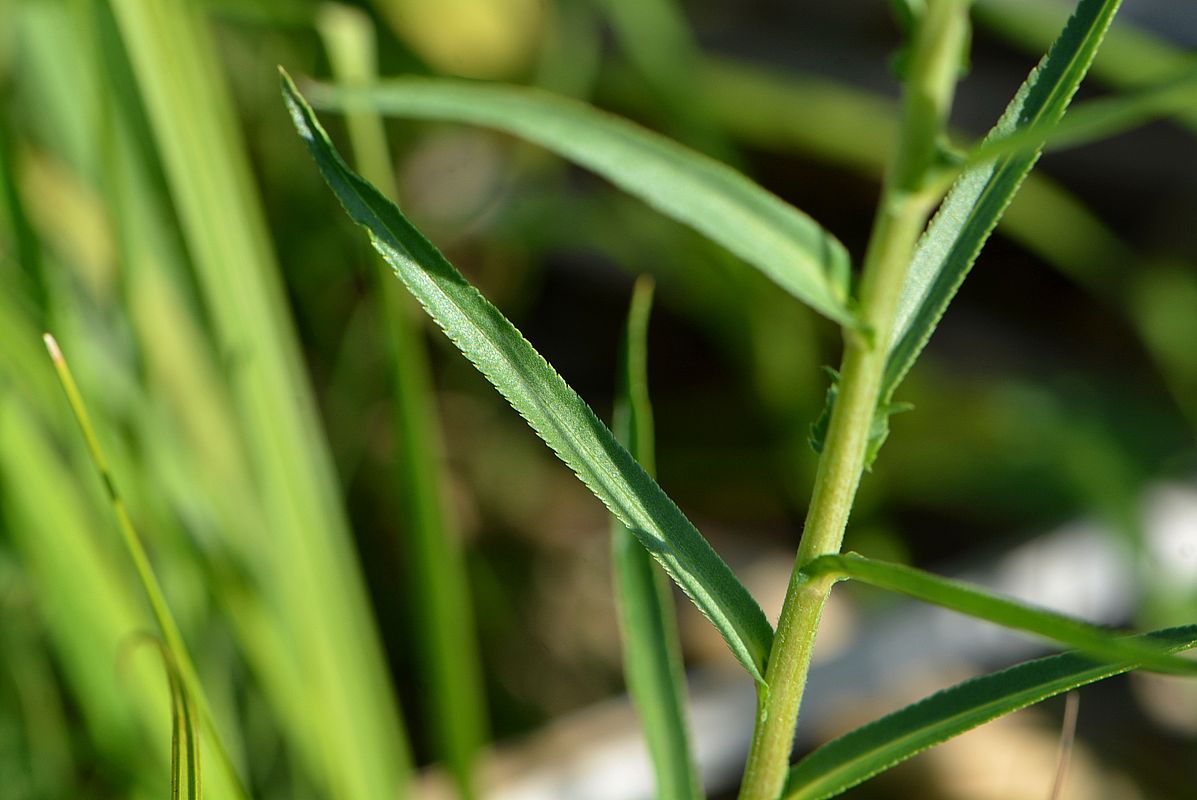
x=241, y=358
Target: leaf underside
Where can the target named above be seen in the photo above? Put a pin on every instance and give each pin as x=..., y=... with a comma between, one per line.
x=547, y=403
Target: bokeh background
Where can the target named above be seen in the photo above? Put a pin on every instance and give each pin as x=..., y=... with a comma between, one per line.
x=228, y=329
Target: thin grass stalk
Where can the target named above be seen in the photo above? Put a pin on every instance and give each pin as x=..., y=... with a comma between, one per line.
x=175, y=650
x=1072, y=702
x=902, y=214
x=39, y=705
x=447, y=646
x=653, y=667
x=354, y=739
x=657, y=39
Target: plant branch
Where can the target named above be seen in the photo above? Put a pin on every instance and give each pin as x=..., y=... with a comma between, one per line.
x=901, y=216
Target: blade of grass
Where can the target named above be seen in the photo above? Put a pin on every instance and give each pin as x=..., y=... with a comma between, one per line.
x=647, y=619
x=658, y=41
x=553, y=409
x=874, y=748
x=780, y=241
x=961, y=597
x=89, y=608
x=26, y=251
x=439, y=586
x=85, y=607
x=33, y=689
x=198, y=454
x=352, y=727
x=979, y=197
x=179, y=658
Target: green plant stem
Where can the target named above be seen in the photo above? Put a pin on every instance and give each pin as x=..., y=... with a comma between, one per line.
x=178, y=657
x=902, y=214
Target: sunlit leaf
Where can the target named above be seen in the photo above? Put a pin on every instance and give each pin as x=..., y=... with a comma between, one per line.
x=782, y=242
x=552, y=408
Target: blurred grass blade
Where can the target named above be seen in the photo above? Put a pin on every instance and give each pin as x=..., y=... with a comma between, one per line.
x=974, y=602
x=179, y=664
x=437, y=576
x=24, y=250
x=351, y=737
x=874, y=748
x=50, y=529
x=771, y=235
x=553, y=409
x=656, y=37
x=979, y=197
x=657, y=40
x=652, y=651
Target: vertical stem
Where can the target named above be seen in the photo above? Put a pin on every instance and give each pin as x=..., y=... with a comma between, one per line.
x=448, y=652
x=901, y=216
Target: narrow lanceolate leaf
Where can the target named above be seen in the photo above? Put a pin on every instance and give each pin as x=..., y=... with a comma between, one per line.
x=1131, y=57
x=771, y=235
x=553, y=409
x=874, y=748
x=980, y=196
x=975, y=602
x=652, y=654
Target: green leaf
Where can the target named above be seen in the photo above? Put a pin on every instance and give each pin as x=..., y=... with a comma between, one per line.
x=647, y=621
x=874, y=748
x=878, y=430
x=715, y=200
x=980, y=196
x=978, y=603
x=552, y=408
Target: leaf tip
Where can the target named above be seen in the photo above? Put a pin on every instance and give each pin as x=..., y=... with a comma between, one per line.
x=53, y=348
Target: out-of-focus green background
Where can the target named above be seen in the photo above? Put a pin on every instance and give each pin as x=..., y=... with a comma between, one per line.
x=228, y=330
